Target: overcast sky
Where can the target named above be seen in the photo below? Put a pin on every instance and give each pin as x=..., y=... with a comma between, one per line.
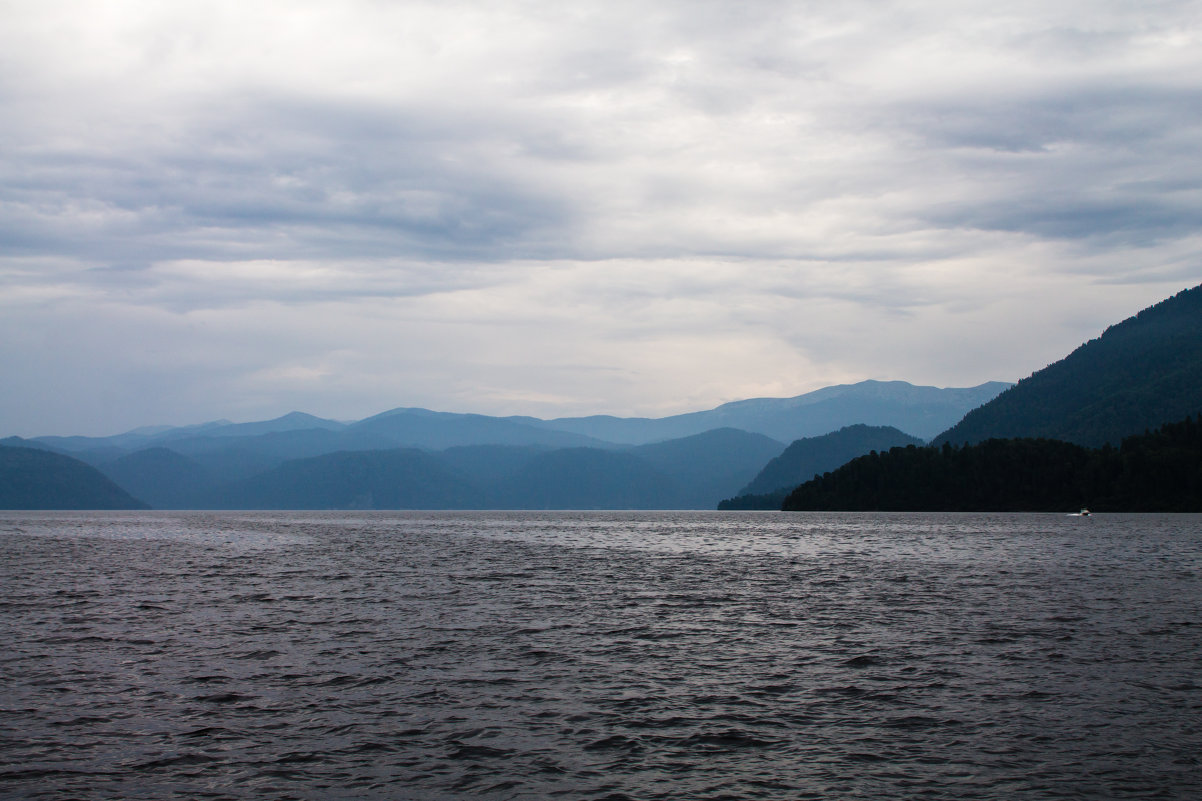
x=236, y=209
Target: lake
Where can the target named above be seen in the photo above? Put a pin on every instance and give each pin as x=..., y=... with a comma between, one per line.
x=599, y=655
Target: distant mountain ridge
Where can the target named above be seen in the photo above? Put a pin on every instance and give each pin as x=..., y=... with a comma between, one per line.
x=683, y=461
x=917, y=410
x=1141, y=373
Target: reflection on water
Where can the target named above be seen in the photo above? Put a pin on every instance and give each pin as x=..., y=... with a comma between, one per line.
x=599, y=655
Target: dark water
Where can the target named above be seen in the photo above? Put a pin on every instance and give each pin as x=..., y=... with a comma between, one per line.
x=600, y=655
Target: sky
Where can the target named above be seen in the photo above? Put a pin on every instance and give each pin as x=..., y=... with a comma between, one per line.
x=235, y=209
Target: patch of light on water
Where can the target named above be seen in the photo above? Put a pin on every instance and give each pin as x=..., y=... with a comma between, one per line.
x=216, y=529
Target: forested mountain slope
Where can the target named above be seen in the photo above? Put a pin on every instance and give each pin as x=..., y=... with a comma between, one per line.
x=1140, y=373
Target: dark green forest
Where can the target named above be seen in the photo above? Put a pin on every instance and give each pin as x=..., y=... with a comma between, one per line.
x=1158, y=471
x=1140, y=373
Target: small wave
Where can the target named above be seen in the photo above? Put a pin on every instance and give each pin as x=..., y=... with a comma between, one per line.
x=223, y=698
x=466, y=751
x=178, y=760
x=615, y=742
x=259, y=653
x=728, y=739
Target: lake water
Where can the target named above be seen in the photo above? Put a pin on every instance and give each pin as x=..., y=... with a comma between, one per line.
x=599, y=655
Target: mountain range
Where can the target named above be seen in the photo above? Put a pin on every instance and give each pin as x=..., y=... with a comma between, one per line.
x=447, y=460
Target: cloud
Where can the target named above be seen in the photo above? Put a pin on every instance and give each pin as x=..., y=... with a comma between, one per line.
x=612, y=207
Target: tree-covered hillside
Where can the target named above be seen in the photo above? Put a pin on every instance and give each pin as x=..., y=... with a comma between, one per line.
x=1140, y=373
x=1160, y=471
x=813, y=456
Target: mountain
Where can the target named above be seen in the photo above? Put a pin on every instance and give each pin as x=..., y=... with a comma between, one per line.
x=422, y=428
x=589, y=478
x=691, y=473
x=255, y=446
x=293, y=421
x=1160, y=471
x=490, y=466
x=688, y=473
x=404, y=478
x=37, y=479
x=920, y=411
x=694, y=459
x=812, y=456
x=160, y=476
x=1140, y=373
x=709, y=465
x=89, y=451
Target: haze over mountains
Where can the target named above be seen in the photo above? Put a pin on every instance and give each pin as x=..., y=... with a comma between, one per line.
x=474, y=461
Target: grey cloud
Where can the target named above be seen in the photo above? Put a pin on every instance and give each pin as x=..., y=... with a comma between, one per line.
x=1138, y=219
x=283, y=179
x=1103, y=165
x=1118, y=117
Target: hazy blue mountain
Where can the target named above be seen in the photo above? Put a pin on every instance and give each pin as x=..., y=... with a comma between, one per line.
x=422, y=428
x=161, y=477
x=121, y=444
x=404, y=478
x=21, y=442
x=88, y=451
x=708, y=466
x=920, y=411
x=31, y=478
x=1140, y=373
x=235, y=457
x=98, y=450
x=293, y=421
x=589, y=478
x=691, y=473
x=490, y=466
x=282, y=445
x=694, y=472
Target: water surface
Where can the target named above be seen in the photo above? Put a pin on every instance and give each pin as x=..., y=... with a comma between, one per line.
x=599, y=655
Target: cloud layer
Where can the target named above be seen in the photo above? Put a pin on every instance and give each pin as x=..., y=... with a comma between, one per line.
x=225, y=209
